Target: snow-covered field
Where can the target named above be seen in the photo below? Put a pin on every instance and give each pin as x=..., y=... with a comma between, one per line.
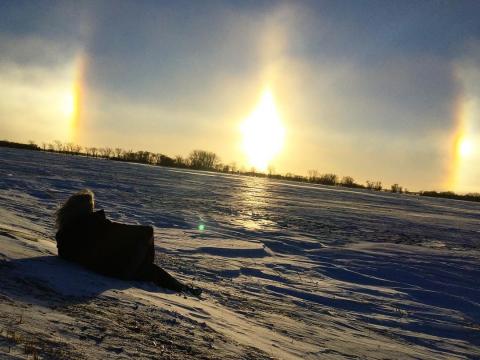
x=290, y=270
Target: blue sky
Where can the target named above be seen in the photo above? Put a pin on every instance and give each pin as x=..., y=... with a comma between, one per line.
x=369, y=89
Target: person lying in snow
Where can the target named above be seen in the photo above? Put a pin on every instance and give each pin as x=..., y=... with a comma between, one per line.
x=114, y=249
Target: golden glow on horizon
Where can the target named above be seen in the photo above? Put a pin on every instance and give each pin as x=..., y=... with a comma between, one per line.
x=263, y=133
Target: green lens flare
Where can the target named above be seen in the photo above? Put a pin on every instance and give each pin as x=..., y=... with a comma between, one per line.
x=201, y=227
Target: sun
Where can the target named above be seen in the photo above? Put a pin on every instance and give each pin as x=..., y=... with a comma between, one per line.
x=263, y=133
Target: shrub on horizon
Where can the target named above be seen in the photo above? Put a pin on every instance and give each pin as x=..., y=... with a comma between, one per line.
x=348, y=181
x=395, y=188
x=327, y=179
x=374, y=185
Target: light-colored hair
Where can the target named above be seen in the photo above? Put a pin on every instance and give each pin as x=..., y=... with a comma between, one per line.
x=79, y=204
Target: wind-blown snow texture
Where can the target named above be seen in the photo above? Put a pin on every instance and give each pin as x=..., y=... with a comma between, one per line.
x=290, y=270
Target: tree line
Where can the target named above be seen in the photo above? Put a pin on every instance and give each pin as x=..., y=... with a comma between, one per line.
x=206, y=160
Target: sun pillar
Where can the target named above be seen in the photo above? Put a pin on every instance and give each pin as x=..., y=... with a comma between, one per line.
x=77, y=97
x=465, y=142
x=263, y=133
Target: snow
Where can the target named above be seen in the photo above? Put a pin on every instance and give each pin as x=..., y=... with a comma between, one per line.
x=290, y=270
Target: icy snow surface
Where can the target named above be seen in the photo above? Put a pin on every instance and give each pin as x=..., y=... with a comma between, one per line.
x=289, y=270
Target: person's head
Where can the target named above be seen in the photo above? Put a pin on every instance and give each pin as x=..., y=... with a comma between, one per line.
x=79, y=204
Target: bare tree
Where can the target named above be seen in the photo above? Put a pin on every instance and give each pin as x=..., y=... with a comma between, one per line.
x=219, y=166
x=180, y=161
x=395, y=188
x=77, y=149
x=327, y=179
x=142, y=156
x=271, y=170
x=152, y=158
x=58, y=145
x=347, y=181
x=374, y=185
x=105, y=152
x=91, y=151
x=69, y=147
x=129, y=155
x=313, y=175
x=164, y=160
x=205, y=160
x=118, y=152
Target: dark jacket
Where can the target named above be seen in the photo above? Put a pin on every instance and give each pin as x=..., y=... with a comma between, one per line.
x=110, y=248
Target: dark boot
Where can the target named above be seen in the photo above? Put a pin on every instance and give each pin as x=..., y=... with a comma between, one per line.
x=165, y=280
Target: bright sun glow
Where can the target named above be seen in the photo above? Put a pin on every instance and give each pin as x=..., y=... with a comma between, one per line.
x=465, y=147
x=263, y=133
x=67, y=105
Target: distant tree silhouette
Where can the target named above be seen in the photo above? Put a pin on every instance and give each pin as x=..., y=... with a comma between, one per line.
x=203, y=160
x=142, y=157
x=313, y=175
x=395, y=188
x=58, y=145
x=15, y=145
x=328, y=179
x=78, y=149
x=325, y=179
x=68, y=147
x=374, y=185
x=105, y=152
x=271, y=170
x=348, y=181
x=118, y=153
x=452, y=195
x=292, y=177
x=164, y=160
x=180, y=161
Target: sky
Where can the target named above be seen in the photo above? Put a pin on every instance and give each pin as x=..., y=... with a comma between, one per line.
x=377, y=90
